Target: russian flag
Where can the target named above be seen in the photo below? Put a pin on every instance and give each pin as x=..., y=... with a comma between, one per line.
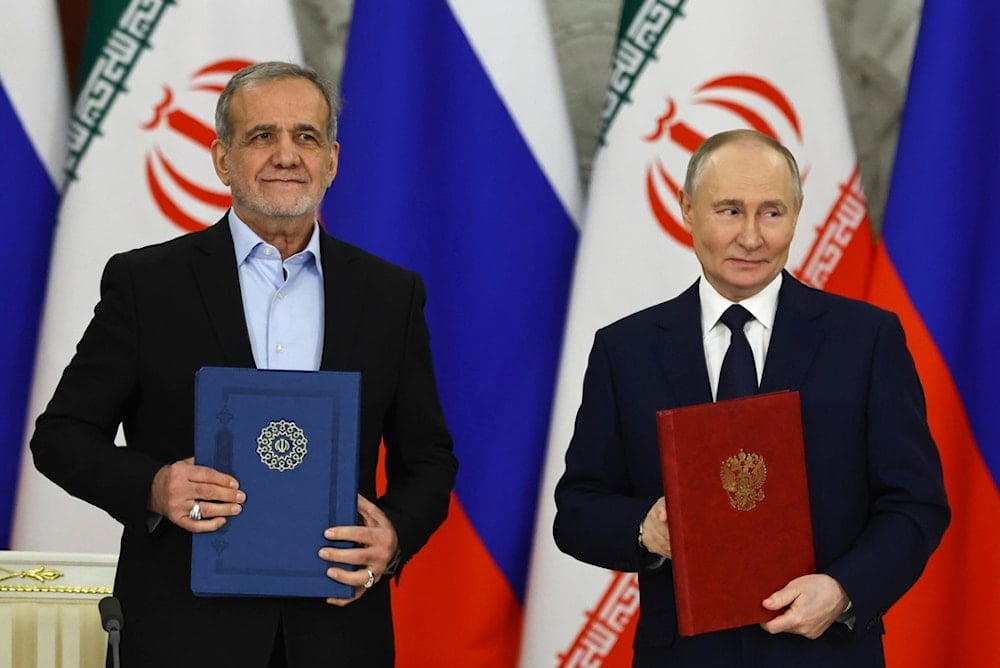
x=33, y=112
x=938, y=268
x=457, y=161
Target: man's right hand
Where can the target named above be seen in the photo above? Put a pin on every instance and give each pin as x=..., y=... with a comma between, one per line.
x=178, y=486
x=656, y=531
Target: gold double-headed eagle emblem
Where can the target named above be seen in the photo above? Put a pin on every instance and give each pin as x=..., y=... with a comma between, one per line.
x=743, y=477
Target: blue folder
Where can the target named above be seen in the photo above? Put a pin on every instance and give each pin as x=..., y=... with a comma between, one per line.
x=291, y=439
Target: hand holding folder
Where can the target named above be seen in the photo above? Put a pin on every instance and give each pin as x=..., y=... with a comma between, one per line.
x=738, y=507
x=291, y=439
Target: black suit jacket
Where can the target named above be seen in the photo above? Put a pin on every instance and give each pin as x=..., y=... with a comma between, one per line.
x=875, y=485
x=169, y=309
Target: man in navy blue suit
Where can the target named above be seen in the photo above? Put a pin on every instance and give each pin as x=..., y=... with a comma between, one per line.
x=876, y=492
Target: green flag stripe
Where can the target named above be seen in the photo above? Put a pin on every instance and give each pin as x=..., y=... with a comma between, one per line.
x=643, y=25
x=118, y=31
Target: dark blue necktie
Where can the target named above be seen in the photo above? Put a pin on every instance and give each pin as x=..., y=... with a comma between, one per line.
x=738, y=377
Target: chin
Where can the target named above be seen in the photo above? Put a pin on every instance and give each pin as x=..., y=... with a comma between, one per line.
x=289, y=210
x=744, y=289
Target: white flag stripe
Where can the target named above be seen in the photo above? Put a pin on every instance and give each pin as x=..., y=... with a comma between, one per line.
x=720, y=65
x=522, y=76
x=38, y=92
x=162, y=112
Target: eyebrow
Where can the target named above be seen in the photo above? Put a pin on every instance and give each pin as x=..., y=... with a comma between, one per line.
x=740, y=203
x=728, y=202
x=308, y=127
x=272, y=127
x=262, y=127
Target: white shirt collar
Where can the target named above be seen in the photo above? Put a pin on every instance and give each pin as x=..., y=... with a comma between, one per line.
x=762, y=306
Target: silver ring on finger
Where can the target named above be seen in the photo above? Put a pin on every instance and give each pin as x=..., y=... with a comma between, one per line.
x=195, y=513
x=371, y=579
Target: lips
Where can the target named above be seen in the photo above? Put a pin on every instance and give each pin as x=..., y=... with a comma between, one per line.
x=283, y=180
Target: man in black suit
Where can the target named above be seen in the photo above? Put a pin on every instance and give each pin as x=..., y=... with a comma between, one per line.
x=264, y=287
x=876, y=493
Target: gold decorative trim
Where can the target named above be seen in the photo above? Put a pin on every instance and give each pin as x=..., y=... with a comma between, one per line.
x=25, y=589
x=39, y=573
x=43, y=574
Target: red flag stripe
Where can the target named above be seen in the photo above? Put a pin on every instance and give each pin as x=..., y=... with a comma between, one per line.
x=945, y=602
x=468, y=605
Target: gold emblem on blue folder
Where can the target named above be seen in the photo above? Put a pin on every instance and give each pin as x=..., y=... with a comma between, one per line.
x=282, y=445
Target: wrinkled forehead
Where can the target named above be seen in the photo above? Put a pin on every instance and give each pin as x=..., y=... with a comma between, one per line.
x=288, y=97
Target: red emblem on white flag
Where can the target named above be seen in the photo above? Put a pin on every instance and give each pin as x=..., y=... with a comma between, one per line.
x=178, y=195
x=751, y=100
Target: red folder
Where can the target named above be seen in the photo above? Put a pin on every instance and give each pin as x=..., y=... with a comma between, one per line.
x=738, y=507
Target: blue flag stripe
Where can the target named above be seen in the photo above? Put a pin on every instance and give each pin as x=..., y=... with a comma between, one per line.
x=942, y=225
x=435, y=176
x=28, y=211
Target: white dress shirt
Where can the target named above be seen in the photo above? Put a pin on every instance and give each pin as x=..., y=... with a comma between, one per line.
x=716, y=335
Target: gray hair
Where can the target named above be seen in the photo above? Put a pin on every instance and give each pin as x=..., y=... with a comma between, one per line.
x=696, y=166
x=273, y=71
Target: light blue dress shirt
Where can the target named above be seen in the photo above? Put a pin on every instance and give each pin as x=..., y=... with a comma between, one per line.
x=282, y=300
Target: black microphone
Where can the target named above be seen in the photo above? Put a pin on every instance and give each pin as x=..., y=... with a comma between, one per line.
x=112, y=621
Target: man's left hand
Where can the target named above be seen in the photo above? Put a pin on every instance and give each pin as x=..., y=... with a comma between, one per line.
x=813, y=603
x=377, y=544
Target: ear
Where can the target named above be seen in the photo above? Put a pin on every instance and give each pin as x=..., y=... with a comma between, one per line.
x=220, y=160
x=334, y=163
x=795, y=217
x=686, y=204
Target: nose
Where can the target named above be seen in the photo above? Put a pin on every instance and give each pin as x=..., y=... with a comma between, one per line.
x=749, y=237
x=286, y=152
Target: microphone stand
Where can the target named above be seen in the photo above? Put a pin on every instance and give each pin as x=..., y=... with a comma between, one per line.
x=111, y=620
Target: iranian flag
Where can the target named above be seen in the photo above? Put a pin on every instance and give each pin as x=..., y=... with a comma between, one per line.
x=684, y=70
x=138, y=172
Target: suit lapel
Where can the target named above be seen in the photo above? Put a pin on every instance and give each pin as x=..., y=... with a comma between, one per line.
x=214, y=267
x=679, y=348
x=342, y=285
x=796, y=338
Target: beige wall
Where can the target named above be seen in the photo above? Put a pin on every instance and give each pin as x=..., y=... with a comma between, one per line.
x=874, y=41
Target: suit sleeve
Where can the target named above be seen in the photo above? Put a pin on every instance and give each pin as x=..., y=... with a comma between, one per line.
x=597, y=509
x=908, y=509
x=74, y=439
x=420, y=465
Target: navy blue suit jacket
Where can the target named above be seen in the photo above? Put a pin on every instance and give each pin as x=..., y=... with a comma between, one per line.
x=876, y=492
x=166, y=311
